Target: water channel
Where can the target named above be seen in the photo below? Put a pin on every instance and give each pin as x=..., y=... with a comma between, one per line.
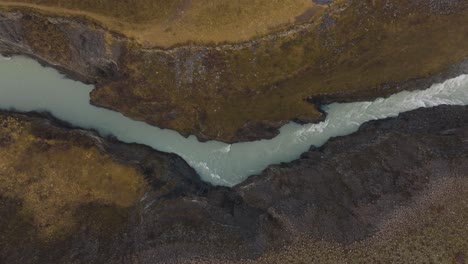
x=27, y=86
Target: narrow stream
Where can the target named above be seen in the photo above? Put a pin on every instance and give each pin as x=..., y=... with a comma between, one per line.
x=27, y=86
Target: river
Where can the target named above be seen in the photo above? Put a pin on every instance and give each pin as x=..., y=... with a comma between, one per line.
x=27, y=86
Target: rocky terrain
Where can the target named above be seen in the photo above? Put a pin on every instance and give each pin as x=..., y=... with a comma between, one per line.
x=394, y=190
x=241, y=91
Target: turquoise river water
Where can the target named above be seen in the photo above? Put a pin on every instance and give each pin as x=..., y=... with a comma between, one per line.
x=27, y=86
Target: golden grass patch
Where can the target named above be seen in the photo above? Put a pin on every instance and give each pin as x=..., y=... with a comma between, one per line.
x=165, y=23
x=56, y=180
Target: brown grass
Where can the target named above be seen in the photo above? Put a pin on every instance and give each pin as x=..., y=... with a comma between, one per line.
x=59, y=181
x=165, y=23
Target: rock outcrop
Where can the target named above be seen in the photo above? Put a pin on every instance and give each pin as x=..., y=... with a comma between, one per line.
x=76, y=47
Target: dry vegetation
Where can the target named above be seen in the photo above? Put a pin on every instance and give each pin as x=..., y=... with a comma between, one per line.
x=61, y=182
x=168, y=22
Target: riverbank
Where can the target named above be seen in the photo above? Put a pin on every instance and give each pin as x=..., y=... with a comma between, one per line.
x=246, y=91
x=341, y=193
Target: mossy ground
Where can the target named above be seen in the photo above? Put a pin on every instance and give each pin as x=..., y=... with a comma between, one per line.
x=55, y=183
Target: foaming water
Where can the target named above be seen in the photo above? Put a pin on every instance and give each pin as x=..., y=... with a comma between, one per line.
x=27, y=86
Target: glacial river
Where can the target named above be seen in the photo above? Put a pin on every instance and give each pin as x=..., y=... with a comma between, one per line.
x=27, y=86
